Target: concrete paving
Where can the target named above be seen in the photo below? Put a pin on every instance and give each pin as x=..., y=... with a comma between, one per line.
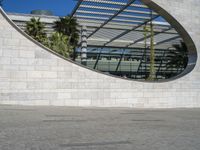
x=63, y=128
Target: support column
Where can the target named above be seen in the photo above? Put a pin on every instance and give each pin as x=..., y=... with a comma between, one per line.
x=84, y=45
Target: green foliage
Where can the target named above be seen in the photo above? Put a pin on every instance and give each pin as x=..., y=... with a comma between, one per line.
x=35, y=29
x=178, y=57
x=68, y=27
x=60, y=44
x=63, y=41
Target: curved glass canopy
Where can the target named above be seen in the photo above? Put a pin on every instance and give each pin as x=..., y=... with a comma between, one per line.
x=128, y=39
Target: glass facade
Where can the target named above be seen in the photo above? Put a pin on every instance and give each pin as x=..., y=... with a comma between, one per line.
x=134, y=63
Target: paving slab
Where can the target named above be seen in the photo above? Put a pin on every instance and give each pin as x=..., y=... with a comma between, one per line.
x=68, y=128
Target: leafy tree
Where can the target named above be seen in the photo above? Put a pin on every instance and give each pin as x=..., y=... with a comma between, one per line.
x=35, y=29
x=178, y=57
x=68, y=27
x=60, y=44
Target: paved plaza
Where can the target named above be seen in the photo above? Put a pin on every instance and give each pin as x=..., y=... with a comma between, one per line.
x=63, y=128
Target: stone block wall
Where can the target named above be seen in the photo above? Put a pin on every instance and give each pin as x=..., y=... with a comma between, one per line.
x=32, y=75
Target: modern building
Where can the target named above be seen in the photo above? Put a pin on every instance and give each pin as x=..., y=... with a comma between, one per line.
x=127, y=56
x=136, y=53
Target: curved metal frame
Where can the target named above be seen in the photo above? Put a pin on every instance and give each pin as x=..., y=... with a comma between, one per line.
x=192, y=51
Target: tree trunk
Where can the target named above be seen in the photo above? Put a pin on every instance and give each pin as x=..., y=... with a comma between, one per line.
x=152, y=56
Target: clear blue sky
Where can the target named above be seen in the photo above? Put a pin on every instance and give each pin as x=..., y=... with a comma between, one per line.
x=58, y=7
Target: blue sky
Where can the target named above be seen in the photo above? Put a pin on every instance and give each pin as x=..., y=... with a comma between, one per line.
x=58, y=7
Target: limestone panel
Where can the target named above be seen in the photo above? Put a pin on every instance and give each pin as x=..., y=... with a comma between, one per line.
x=32, y=75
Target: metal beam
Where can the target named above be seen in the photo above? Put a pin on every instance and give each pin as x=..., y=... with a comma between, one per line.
x=141, y=39
x=122, y=55
x=92, y=23
x=99, y=55
x=137, y=49
x=127, y=31
x=92, y=26
x=116, y=3
x=141, y=61
x=167, y=40
x=76, y=8
x=128, y=48
x=117, y=25
x=116, y=9
x=105, y=18
x=110, y=14
x=111, y=18
x=161, y=63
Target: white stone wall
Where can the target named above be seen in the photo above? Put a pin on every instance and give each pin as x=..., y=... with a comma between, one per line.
x=31, y=75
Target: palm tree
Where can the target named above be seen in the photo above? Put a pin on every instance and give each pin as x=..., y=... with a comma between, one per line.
x=152, y=70
x=35, y=29
x=68, y=26
x=145, y=30
x=178, y=57
x=60, y=44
